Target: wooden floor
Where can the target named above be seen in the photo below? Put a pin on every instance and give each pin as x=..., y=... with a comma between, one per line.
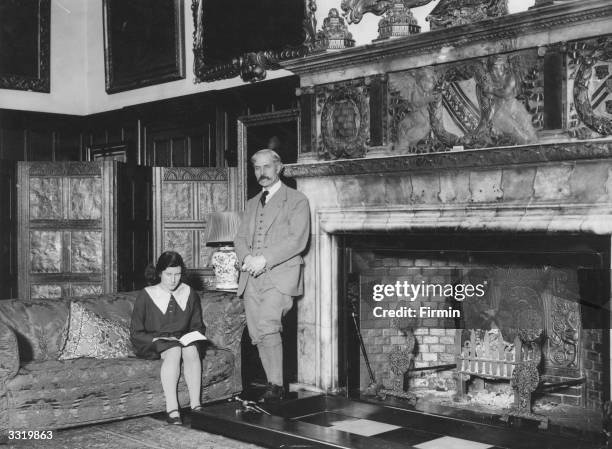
x=333, y=422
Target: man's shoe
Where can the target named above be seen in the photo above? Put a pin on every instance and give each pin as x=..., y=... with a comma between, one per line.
x=273, y=395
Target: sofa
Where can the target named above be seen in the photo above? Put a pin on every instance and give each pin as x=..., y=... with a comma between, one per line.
x=38, y=391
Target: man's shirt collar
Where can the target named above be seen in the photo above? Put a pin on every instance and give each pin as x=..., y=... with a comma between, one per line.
x=272, y=189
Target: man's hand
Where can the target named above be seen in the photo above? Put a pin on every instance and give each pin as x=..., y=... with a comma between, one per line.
x=254, y=265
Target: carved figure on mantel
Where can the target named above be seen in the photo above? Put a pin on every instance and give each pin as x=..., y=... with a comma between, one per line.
x=355, y=9
x=450, y=13
x=507, y=115
x=411, y=129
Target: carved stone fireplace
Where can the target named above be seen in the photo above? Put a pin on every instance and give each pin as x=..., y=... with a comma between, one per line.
x=562, y=192
x=493, y=127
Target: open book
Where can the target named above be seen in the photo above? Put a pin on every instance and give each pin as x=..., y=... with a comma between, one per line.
x=186, y=339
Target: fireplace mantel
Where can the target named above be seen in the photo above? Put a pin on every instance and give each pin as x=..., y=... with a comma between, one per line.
x=483, y=158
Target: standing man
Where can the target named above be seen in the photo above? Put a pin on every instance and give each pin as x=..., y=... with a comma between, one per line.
x=271, y=239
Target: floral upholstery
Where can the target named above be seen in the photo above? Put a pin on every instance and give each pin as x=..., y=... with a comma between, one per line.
x=9, y=353
x=39, y=325
x=46, y=393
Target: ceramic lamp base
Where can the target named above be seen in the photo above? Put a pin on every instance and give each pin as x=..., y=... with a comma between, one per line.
x=223, y=261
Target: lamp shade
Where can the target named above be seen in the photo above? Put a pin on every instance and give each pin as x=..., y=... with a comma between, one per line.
x=222, y=228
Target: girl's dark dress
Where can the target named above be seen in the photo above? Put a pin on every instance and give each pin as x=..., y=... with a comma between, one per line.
x=148, y=321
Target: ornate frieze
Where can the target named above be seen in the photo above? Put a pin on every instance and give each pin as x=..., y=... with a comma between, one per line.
x=194, y=174
x=478, y=103
x=344, y=116
x=65, y=169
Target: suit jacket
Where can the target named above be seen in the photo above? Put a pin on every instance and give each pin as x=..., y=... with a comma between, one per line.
x=287, y=229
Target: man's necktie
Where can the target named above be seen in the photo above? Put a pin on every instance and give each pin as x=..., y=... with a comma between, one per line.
x=264, y=195
x=172, y=305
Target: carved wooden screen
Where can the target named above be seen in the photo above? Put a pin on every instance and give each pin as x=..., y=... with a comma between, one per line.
x=8, y=230
x=83, y=227
x=183, y=197
x=65, y=229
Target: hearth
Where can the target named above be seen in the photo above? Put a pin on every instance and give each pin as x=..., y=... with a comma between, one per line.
x=484, y=306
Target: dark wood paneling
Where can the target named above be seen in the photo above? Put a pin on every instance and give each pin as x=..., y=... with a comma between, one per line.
x=8, y=230
x=195, y=130
x=37, y=136
x=134, y=225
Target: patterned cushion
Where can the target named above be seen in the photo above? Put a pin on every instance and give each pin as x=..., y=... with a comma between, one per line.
x=90, y=335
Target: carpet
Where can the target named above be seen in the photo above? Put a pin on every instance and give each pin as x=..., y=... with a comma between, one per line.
x=136, y=433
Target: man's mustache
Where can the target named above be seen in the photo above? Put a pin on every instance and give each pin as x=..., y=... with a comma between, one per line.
x=263, y=177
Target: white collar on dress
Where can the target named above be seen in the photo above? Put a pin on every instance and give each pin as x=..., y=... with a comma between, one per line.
x=161, y=297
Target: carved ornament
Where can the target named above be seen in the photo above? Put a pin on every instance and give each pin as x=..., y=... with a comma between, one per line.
x=409, y=97
x=398, y=21
x=345, y=120
x=525, y=379
x=355, y=9
x=335, y=33
x=593, y=84
x=497, y=118
x=194, y=174
x=65, y=169
x=450, y=13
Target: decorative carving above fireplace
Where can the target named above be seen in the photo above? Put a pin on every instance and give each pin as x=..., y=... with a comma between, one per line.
x=345, y=120
x=593, y=84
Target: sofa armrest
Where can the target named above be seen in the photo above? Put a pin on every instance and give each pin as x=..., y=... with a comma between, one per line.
x=9, y=354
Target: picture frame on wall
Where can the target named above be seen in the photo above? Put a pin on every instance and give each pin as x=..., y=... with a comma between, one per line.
x=107, y=152
x=144, y=43
x=25, y=45
x=279, y=131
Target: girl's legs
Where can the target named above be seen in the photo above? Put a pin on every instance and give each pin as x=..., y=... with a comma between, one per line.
x=192, y=365
x=170, y=372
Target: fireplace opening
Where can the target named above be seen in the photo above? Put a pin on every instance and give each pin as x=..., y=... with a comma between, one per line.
x=544, y=304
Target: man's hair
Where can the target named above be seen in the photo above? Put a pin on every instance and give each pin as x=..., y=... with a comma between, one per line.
x=269, y=152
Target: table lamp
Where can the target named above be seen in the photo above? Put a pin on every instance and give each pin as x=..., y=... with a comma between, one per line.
x=222, y=228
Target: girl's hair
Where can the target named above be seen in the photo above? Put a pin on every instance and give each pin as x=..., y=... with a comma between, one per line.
x=167, y=259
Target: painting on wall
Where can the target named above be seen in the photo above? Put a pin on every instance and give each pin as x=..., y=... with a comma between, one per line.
x=247, y=38
x=144, y=43
x=24, y=45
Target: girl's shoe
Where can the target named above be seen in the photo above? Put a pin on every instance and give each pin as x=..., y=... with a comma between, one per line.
x=197, y=408
x=173, y=419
